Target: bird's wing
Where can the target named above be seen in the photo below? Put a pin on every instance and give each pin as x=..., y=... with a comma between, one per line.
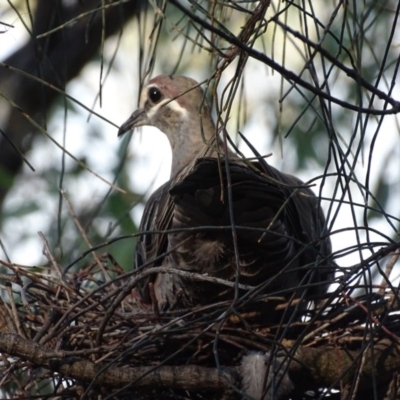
x=307, y=219
x=151, y=247
x=261, y=198
x=284, y=228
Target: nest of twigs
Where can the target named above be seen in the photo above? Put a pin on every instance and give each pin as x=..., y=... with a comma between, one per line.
x=81, y=335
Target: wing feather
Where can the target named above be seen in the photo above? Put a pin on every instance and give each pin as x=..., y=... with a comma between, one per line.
x=281, y=228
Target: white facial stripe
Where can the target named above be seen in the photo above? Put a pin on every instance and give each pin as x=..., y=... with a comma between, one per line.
x=173, y=105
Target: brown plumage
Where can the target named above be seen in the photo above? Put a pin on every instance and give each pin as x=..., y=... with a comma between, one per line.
x=280, y=228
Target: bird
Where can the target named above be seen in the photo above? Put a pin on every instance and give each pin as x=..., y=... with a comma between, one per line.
x=221, y=216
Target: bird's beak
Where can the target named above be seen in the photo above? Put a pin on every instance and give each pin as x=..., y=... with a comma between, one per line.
x=138, y=118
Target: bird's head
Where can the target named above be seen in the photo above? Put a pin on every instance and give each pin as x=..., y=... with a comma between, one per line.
x=171, y=104
x=177, y=106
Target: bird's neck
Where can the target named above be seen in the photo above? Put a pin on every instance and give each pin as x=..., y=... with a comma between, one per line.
x=187, y=147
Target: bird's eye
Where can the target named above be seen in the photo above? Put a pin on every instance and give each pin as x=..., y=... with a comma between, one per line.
x=154, y=95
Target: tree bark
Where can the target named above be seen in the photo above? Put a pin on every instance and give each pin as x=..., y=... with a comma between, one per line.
x=318, y=367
